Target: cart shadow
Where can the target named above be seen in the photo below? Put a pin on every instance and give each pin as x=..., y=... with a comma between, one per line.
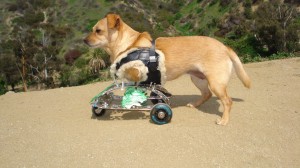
x=211, y=106
x=123, y=115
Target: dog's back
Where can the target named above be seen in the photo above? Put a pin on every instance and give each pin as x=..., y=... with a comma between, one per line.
x=189, y=54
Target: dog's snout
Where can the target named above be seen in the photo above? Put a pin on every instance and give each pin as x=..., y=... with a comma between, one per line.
x=85, y=41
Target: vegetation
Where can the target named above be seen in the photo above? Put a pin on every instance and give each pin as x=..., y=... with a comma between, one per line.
x=41, y=40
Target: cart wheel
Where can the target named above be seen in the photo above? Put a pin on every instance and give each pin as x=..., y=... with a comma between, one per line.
x=155, y=101
x=161, y=113
x=98, y=111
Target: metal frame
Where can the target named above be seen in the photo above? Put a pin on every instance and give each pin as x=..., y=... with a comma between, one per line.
x=105, y=98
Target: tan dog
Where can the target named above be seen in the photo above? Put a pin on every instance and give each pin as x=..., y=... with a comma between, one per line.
x=208, y=61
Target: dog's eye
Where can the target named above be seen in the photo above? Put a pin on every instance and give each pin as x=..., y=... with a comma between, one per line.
x=98, y=30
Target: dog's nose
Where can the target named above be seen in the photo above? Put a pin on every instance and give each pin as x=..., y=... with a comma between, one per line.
x=85, y=41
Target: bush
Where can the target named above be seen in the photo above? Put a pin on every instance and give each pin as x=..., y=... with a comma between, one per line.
x=248, y=52
x=248, y=58
x=91, y=24
x=77, y=77
x=277, y=33
x=73, y=76
x=71, y=56
x=213, y=2
x=199, y=10
x=81, y=63
x=3, y=88
x=245, y=46
x=65, y=75
x=31, y=17
x=281, y=55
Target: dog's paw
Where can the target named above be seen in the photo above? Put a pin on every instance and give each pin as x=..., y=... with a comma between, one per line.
x=191, y=105
x=222, y=121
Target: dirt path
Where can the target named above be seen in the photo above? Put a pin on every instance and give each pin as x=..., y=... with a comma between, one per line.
x=54, y=128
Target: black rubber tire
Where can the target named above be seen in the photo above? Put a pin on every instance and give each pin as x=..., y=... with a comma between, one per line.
x=98, y=112
x=161, y=108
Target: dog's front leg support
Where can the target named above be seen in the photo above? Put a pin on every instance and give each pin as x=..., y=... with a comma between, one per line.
x=136, y=84
x=122, y=87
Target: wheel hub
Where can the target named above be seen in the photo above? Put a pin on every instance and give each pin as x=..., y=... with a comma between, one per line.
x=161, y=115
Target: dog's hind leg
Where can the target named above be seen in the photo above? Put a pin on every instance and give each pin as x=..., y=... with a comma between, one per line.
x=220, y=91
x=202, y=85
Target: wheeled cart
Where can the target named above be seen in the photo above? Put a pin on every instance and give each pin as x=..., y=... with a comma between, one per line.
x=157, y=101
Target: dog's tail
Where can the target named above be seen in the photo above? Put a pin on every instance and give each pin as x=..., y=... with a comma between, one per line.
x=240, y=71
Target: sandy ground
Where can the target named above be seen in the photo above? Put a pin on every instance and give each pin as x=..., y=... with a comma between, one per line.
x=55, y=128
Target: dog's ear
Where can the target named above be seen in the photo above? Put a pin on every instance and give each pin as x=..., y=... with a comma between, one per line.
x=113, y=21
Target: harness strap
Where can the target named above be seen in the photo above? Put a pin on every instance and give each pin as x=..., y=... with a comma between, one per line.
x=147, y=55
x=152, y=54
x=150, y=59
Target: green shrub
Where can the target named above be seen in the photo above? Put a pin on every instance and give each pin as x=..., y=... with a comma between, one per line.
x=281, y=55
x=3, y=88
x=213, y=2
x=91, y=24
x=65, y=75
x=81, y=63
x=248, y=52
x=243, y=46
x=72, y=76
x=199, y=10
x=248, y=58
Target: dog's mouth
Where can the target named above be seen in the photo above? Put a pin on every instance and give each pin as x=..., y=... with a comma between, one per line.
x=91, y=45
x=87, y=42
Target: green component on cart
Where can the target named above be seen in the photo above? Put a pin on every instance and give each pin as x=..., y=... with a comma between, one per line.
x=133, y=96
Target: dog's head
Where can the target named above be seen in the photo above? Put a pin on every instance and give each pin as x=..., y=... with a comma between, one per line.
x=105, y=31
x=115, y=36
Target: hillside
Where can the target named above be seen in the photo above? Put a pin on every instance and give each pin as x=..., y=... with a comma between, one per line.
x=73, y=13
x=41, y=40
x=161, y=18
x=55, y=128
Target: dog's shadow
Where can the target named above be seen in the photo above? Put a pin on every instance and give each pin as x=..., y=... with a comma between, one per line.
x=211, y=106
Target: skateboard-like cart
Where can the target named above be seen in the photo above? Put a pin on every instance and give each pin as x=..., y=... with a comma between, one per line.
x=157, y=101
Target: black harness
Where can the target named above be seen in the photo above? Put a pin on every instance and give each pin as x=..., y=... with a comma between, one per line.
x=150, y=59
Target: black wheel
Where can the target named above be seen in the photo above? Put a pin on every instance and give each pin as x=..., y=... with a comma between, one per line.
x=161, y=113
x=155, y=101
x=98, y=111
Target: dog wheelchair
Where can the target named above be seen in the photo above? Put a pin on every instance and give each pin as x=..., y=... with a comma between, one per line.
x=128, y=97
